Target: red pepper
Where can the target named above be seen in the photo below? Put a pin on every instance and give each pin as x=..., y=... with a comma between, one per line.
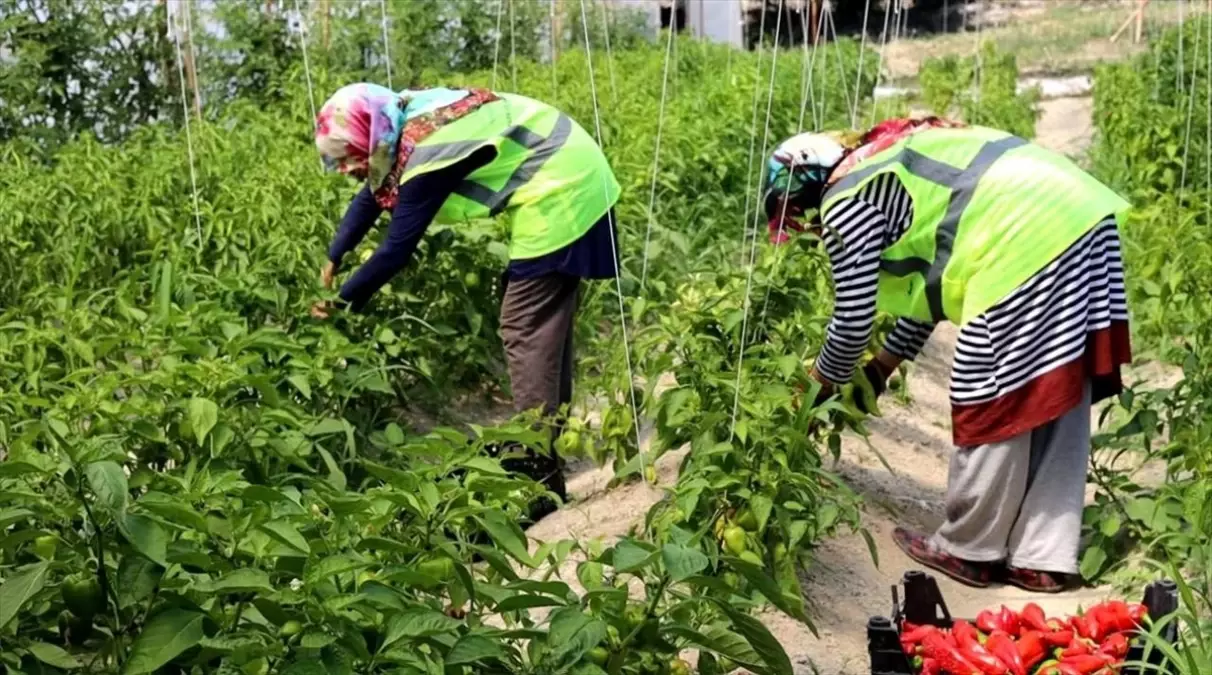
x=1078, y=647
x=1031, y=647
x=965, y=634
x=1033, y=617
x=1122, y=617
x=1010, y=620
x=982, y=659
x=949, y=658
x=1138, y=613
x=930, y=667
x=1085, y=664
x=911, y=640
x=1001, y=645
x=1058, y=638
x=1116, y=645
x=915, y=634
x=1085, y=625
x=988, y=622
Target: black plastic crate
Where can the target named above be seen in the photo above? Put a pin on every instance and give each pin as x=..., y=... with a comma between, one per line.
x=924, y=604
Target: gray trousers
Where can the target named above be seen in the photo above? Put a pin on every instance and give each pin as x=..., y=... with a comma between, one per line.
x=536, y=328
x=1021, y=500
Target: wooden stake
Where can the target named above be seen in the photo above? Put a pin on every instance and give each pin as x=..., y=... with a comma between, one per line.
x=191, y=70
x=324, y=16
x=1137, y=16
x=814, y=16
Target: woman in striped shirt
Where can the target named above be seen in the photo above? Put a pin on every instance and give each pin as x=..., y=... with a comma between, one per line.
x=930, y=220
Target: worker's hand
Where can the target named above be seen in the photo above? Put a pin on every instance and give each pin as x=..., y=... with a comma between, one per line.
x=321, y=310
x=869, y=384
x=328, y=274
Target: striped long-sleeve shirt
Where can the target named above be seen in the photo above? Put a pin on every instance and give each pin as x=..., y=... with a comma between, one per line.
x=1018, y=365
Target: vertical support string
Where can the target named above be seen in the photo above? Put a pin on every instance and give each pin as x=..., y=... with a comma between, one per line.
x=740, y=359
x=496, y=50
x=189, y=137
x=656, y=160
x=618, y=277
x=858, y=78
x=386, y=46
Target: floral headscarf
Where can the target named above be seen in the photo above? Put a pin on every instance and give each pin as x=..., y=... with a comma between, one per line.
x=358, y=131
x=368, y=130
x=815, y=161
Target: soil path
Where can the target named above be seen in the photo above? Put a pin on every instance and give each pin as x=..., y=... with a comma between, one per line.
x=844, y=585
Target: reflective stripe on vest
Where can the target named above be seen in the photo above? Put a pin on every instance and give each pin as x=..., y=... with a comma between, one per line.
x=1000, y=250
x=962, y=183
x=571, y=196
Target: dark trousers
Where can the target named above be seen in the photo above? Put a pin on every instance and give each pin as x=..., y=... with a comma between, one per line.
x=537, y=319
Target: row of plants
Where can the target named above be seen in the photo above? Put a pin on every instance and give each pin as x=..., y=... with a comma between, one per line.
x=197, y=477
x=1151, y=464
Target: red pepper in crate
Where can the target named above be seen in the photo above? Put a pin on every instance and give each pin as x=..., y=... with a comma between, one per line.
x=1033, y=617
x=930, y=667
x=988, y=622
x=1087, y=664
x=965, y=634
x=1078, y=647
x=969, y=642
x=1001, y=645
x=1116, y=645
x=1056, y=668
x=949, y=658
x=1031, y=647
x=1058, y=637
x=1138, y=613
x=1011, y=623
x=1085, y=625
x=911, y=637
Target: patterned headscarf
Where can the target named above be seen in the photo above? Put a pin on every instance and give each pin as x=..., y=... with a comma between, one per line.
x=810, y=163
x=369, y=130
x=358, y=131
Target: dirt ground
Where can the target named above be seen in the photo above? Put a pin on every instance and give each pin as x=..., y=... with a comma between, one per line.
x=845, y=586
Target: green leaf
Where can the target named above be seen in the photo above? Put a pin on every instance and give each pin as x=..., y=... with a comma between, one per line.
x=175, y=511
x=472, y=648
x=288, y=534
x=516, y=602
x=1110, y=525
x=724, y=642
x=107, y=481
x=53, y=656
x=146, y=536
x=336, y=477
x=507, y=535
x=241, y=581
x=1092, y=561
x=571, y=635
x=760, y=638
x=327, y=427
x=137, y=579
x=683, y=562
x=331, y=566
x=791, y=605
x=419, y=622
x=19, y=588
x=316, y=639
x=630, y=556
x=300, y=382
x=761, y=505
x=203, y=415
x=164, y=638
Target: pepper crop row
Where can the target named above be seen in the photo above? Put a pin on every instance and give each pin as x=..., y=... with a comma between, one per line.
x=1005, y=642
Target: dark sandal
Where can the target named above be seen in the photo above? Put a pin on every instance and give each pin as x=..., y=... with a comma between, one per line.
x=1037, y=581
x=919, y=548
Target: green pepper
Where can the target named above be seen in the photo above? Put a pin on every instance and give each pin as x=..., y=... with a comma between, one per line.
x=82, y=596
